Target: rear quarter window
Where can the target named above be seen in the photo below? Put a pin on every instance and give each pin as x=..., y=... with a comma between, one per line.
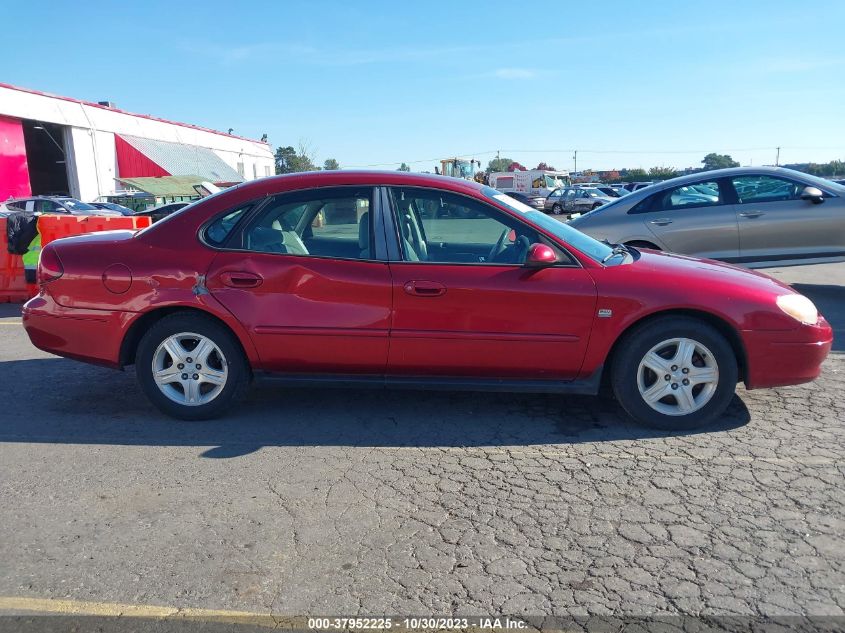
x=218, y=232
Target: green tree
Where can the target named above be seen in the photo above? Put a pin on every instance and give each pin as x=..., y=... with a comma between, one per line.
x=331, y=164
x=290, y=160
x=718, y=161
x=826, y=170
x=499, y=164
x=634, y=175
x=662, y=173
x=285, y=157
x=403, y=167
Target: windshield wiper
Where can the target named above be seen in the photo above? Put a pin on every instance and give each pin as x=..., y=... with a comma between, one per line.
x=618, y=249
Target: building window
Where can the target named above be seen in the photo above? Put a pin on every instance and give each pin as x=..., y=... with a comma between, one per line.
x=241, y=170
x=267, y=170
x=254, y=171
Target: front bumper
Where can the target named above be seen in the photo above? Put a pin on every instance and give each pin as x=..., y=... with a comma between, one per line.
x=92, y=336
x=780, y=358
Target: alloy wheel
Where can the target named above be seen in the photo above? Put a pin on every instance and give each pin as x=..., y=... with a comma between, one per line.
x=678, y=376
x=190, y=369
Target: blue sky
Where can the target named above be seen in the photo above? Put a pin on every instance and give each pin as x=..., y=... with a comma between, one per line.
x=376, y=83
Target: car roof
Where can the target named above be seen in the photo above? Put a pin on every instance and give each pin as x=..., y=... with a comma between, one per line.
x=40, y=198
x=733, y=171
x=303, y=180
x=642, y=193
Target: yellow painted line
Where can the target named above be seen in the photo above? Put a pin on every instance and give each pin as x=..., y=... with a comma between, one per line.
x=110, y=609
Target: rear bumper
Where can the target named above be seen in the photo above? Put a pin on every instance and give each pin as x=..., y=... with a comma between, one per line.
x=92, y=336
x=777, y=358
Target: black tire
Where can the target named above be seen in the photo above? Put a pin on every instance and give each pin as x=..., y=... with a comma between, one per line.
x=557, y=209
x=639, y=341
x=595, y=206
x=237, y=379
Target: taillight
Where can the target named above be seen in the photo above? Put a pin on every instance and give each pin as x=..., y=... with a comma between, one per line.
x=49, y=265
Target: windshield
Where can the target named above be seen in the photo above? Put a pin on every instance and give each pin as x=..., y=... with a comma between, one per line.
x=553, y=182
x=823, y=183
x=464, y=169
x=76, y=205
x=584, y=243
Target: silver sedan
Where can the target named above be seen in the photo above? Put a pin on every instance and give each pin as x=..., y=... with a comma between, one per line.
x=571, y=200
x=753, y=216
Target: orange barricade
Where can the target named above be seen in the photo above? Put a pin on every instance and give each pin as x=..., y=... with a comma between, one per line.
x=13, y=286
x=54, y=227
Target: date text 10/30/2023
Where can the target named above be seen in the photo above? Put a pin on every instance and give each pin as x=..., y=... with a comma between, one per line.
x=415, y=623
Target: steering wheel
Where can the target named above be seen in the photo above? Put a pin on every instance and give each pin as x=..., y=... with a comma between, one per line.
x=498, y=247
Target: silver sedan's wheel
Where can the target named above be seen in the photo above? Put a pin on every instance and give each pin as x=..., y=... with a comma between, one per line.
x=190, y=369
x=678, y=376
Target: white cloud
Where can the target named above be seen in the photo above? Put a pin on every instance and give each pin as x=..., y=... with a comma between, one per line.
x=514, y=73
x=799, y=64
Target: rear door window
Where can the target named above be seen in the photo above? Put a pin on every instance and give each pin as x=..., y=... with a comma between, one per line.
x=700, y=194
x=320, y=223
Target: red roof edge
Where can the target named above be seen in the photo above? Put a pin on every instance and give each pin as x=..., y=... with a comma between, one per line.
x=142, y=116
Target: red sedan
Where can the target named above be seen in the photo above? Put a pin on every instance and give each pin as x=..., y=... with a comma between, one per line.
x=393, y=279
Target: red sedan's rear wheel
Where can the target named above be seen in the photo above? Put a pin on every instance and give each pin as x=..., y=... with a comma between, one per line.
x=191, y=367
x=674, y=373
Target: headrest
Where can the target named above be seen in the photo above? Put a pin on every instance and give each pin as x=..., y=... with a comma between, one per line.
x=364, y=231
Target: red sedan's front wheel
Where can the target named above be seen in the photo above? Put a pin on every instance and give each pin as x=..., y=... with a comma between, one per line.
x=674, y=373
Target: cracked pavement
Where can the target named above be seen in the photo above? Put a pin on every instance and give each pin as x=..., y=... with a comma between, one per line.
x=365, y=502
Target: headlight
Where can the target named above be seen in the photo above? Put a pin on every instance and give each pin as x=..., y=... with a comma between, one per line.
x=799, y=308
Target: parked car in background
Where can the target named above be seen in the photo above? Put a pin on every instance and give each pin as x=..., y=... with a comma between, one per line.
x=754, y=216
x=112, y=206
x=163, y=210
x=609, y=191
x=255, y=280
x=574, y=200
x=533, y=201
x=636, y=186
x=55, y=204
x=6, y=210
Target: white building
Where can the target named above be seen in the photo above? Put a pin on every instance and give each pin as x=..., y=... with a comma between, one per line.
x=58, y=145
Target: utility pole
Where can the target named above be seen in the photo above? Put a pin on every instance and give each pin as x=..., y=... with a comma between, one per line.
x=575, y=158
x=777, y=157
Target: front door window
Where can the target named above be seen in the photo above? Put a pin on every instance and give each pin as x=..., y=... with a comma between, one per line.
x=440, y=227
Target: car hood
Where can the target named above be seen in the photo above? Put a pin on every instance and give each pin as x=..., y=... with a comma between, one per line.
x=709, y=272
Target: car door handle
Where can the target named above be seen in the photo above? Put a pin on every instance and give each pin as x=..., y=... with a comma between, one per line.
x=424, y=288
x=661, y=221
x=751, y=214
x=241, y=279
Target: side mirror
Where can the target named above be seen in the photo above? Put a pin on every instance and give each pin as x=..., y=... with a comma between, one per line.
x=813, y=194
x=540, y=256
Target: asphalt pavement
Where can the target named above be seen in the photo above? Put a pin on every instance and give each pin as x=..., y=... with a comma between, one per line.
x=314, y=501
